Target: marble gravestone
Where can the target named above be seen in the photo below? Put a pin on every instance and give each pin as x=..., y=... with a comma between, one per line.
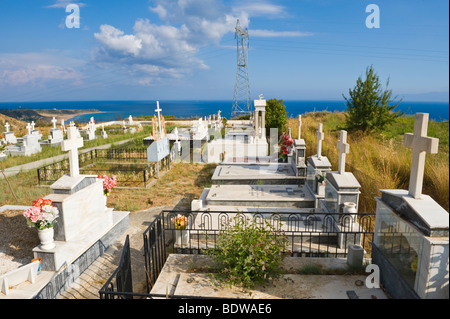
x=35, y=131
x=56, y=136
x=83, y=217
x=30, y=145
x=10, y=138
x=317, y=166
x=411, y=240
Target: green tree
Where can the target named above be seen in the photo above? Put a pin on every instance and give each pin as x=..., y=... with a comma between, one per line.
x=370, y=107
x=276, y=116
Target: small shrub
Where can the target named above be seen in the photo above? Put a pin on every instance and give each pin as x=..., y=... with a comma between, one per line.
x=249, y=252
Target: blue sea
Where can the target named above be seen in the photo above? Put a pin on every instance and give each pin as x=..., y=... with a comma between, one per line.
x=119, y=110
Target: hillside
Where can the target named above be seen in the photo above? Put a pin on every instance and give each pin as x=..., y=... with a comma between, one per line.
x=44, y=115
x=380, y=161
x=16, y=125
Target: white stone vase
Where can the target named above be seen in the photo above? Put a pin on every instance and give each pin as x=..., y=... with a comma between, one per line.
x=182, y=237
x=46, y=238
x=350, y=211
x=105, y=199
x=320, y=189
x=350, y=208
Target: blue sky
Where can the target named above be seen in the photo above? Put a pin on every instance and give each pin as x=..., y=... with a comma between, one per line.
x=186, y=49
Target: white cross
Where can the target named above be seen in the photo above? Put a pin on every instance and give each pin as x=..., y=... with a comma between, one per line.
x=320, y=137
x=421, y=144
x=343, y=148
x=158, y=110
x=72, y=144
x=29, y=128
x=7, y=127
x=54, y=122
x=32, y=125
x=299, y=126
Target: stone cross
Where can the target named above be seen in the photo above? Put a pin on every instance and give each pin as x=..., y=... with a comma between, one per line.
x=54, y=122
x=32, y=125
x=175, y=131
x=320, y=137
x=7, y=127
x=158, y=110
x=29, y=128
x=343, y=148
x=72, y=144
x=299, y=127
x=421, y=144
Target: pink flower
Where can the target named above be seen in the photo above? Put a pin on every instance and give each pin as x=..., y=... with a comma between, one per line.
x=33, y=213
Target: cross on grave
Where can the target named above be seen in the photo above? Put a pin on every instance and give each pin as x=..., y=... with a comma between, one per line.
x=343, y=148
x=33, y=125
x=72, y=144
x=299, y=126
x=320, y=137
x=7, y=127
x=29, y=128
x=421, y=144
x=158, y=110
x=54, y=122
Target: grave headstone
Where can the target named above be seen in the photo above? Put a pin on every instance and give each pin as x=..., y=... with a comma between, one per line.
x=84, y=221
x=10, y=138
x=411, y=240
x=30, y=145
x=318, y=166
x=35, y=131
x=56, y=135
x=342, y=187
x=103, y=133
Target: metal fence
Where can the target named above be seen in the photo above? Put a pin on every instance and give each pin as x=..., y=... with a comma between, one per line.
x=309, y=235
x=135, y=175
x=120, y=284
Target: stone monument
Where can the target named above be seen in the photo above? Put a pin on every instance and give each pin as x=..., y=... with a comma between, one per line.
x=84, y=221
x=411, y=240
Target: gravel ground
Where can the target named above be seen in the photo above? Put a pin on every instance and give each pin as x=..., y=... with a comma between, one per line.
x=17, y=240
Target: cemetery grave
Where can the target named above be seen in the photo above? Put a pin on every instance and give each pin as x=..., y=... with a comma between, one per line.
x=317, y=208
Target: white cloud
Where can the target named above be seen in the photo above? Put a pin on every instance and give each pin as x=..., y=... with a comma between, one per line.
x=37, y=68
x=170, y=49
x=259, y=8
x=115, y=39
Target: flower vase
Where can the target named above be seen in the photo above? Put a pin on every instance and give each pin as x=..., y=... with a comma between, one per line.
x=349, y=213
x=182, y=237
x=321, y=189
x=46, y=238
x=105, y=199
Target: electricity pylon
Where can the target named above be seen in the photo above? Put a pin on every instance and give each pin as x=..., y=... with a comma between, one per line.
x=241, y=101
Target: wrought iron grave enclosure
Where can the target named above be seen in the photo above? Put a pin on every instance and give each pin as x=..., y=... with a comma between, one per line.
x=309, y=234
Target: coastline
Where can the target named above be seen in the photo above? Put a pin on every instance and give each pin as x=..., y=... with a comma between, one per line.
x=66, y=116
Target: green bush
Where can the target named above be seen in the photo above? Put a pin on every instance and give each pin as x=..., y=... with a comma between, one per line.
x=249, y=252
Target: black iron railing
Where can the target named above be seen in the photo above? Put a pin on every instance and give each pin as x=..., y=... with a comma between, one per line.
x=120, y=284
x=310, y=234
x=127, y=175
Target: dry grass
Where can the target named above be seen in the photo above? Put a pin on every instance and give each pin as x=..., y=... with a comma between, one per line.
x=178, y=187
x=376, y=161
